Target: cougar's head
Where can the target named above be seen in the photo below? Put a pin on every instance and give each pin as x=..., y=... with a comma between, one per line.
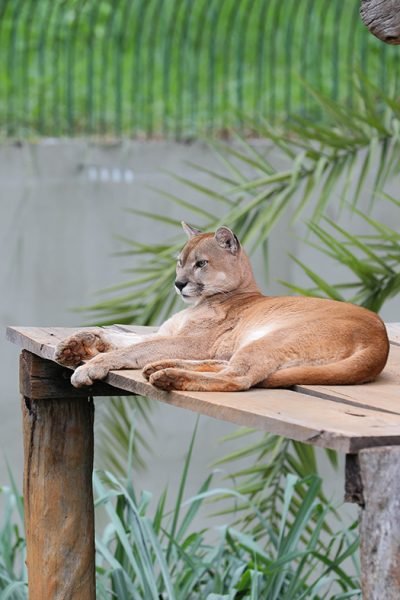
x=210, y=264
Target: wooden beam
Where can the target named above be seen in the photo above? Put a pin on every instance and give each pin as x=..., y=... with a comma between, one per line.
x=59, y=511
x=44, y=379
x=380, y=523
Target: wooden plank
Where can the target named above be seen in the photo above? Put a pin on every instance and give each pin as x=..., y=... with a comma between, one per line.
x=310, y=419
x=338, y=418
x=380, y=523
x=39, y=340
x=382, y=394
x=393, y=330
x=43, y=340
x=42, y=379
x=58, y=498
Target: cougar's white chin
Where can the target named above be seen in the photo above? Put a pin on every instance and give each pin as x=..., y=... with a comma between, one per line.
x=189, y=299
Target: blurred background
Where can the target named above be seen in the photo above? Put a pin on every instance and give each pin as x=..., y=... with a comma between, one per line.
x=120, y=118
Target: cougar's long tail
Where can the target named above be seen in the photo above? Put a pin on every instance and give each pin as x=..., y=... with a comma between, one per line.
x=356, y=369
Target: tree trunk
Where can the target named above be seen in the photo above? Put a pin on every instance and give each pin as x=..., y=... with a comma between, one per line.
x=382, y=17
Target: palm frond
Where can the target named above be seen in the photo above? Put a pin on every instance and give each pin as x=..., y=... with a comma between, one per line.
x=309, y=165
x=373, y=260
x=116, y=418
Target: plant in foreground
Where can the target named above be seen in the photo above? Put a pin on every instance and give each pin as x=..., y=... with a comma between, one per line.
x=159, y=553
x=163, y=556
x=13, y=575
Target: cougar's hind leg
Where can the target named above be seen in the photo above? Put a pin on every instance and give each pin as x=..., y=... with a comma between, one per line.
x=195, y=381
x=212, y=366
x=246, y=368
x=283, y=359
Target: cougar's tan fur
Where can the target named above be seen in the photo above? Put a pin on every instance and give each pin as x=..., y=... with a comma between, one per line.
x=233, y=337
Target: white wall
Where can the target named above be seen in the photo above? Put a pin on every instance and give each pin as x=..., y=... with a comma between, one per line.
x=62, y=203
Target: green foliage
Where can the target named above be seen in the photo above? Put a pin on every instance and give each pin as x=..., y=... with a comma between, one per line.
x=164, y=556
x=234, y=566
x=373, y=260
x=157, y=553
x=272, y=459
x=310, y=166
x=13, y=576
x=177, y=68
x=114, y=422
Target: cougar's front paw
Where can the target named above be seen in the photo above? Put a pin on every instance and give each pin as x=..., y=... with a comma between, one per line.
x=81, y=346
x=88, y=374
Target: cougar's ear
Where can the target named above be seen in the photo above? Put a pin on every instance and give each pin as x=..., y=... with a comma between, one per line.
x=227, y=239
x=189, y=230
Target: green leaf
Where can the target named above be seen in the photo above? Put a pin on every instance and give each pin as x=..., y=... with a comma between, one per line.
x=181, y=489
x=323, y=285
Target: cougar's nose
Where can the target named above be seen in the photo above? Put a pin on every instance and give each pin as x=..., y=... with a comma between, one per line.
x=180, y=284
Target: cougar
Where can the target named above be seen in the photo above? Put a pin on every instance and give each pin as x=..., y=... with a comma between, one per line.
x=232, y=337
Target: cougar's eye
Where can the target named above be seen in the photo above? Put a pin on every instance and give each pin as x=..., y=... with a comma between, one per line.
x=200, y=264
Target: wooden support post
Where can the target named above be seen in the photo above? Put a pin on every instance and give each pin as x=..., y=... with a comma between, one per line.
x=379, y=471
x=59, y=511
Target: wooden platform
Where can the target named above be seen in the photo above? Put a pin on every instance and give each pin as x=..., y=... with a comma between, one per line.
x=344, y=418
x=362, y=421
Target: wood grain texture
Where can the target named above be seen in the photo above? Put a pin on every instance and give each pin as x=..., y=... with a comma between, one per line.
x=59, y=512
x=43, y=340
x=380, y=523
x=393, y=330
x=344, y=418
x=382, y=394
x=382, y=18
x=353, y=490
x=41, y=379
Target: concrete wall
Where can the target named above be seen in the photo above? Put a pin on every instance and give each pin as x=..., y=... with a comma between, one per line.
x=62, y=204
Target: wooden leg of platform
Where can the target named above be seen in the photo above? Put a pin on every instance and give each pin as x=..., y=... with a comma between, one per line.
x=379, y=496
x=59, y=511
